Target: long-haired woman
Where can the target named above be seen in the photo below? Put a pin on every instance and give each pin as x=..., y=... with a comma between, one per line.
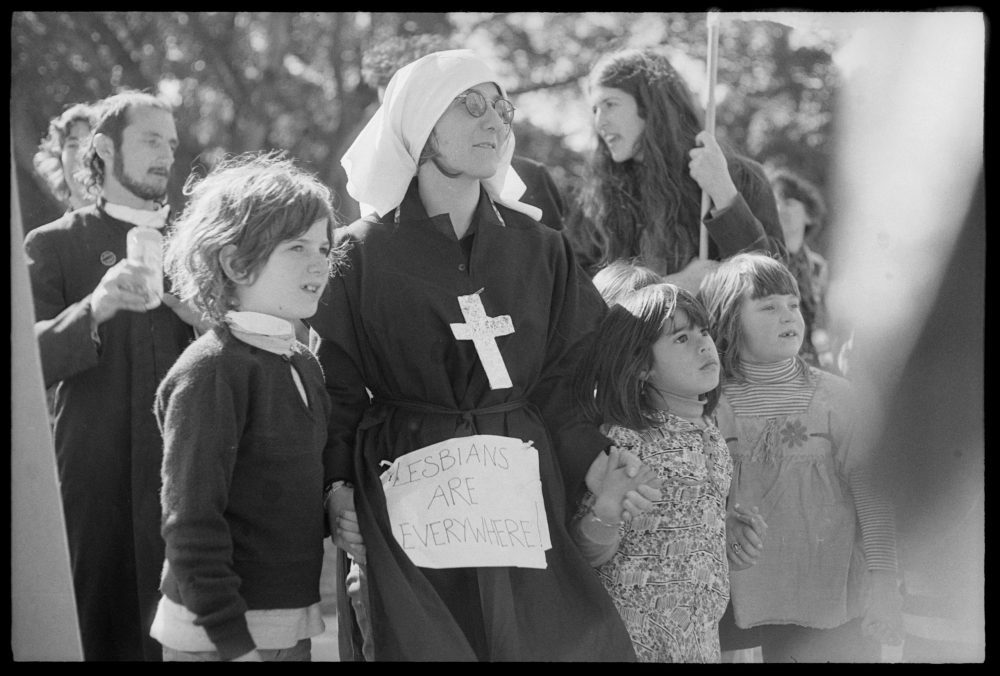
x=652, y=162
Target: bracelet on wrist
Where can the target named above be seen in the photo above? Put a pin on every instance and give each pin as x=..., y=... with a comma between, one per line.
x=334, y=486
x=606, y=524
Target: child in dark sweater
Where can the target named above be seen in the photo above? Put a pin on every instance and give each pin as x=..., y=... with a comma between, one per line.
x=243, y=414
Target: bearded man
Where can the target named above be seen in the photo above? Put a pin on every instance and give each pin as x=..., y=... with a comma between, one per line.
x=106, y=352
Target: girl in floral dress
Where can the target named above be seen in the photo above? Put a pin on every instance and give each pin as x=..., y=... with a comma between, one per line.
x=666, y=570
x=824, y=589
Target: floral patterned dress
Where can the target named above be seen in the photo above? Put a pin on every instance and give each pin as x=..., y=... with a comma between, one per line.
x=670, y=577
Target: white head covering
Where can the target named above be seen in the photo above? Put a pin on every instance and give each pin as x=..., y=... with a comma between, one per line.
x=383, y=158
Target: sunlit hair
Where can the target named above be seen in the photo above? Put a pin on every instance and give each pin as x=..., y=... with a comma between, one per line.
x=746, y=275
x=610, y=382
x=431, y=153
x=650, y=206
x=252, y=201
x=793, y=186
x=622, y=277
x=114, y=114
x=48, y=159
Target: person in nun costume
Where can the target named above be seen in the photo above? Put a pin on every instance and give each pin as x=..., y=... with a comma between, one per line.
x=449, y=242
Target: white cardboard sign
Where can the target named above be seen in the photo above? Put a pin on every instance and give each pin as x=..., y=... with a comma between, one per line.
x=469, y=502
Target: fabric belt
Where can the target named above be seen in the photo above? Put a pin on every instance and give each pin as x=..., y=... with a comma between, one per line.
x=378, y=412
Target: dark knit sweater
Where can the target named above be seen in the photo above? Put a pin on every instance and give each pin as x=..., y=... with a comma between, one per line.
x=242, y=484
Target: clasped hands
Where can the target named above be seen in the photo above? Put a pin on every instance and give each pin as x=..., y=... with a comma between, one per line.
x=344, y=522
x=639, y=487
x=745, y=530
x=621, y=473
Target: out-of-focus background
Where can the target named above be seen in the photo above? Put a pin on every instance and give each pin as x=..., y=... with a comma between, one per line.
x=884, y=112
x=246, y=81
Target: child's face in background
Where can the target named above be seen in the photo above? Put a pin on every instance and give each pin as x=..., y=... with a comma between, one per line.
x=794, y=219
x=291, y=281
x=685, y=361
x=772, y=328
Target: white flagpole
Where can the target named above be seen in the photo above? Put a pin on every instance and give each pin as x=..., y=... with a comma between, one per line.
x=712, y=23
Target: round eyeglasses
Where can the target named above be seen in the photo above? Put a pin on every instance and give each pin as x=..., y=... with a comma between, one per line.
x=475, y=103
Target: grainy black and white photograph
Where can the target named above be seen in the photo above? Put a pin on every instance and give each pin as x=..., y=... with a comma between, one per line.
x=498, y=337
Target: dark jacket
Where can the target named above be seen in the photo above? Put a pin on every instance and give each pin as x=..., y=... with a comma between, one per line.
x=108, y=448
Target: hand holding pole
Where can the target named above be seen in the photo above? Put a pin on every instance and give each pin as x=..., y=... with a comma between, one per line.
x=712, y=23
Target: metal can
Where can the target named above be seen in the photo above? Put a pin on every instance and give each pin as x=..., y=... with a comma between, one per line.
x=145, y=247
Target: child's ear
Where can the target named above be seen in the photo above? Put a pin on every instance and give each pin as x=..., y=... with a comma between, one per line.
x=644, y=375
x=226, y=256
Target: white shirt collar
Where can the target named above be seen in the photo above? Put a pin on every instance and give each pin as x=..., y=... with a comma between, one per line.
x=153, y=219
x=261, y=330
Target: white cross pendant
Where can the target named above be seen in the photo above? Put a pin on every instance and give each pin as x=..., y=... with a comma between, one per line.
x=483, y=331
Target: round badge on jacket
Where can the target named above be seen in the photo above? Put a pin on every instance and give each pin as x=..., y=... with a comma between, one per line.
x=108, y=258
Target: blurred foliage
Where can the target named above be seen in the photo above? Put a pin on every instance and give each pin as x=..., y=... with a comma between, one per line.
x=247, y=81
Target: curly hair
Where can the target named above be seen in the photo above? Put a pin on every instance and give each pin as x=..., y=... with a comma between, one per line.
x=650, y=208
x=114, y=114
x=743, y=276
x=253, y=201
x=48, y=158
x=610, y=382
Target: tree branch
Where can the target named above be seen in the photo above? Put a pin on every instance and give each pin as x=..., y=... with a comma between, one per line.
x=534, y=87
x=122, y=56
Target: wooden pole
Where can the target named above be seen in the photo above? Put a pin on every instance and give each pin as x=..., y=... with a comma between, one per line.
x=712, y=23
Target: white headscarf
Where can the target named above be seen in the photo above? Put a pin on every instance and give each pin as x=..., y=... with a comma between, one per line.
x=383, y=158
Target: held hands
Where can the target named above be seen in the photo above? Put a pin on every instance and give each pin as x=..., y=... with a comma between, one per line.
x=745, y=531
x=710, y=171
x=620, y=478
x=123, y=287
x=647, y=489
x=347, y=531
x=883, y=620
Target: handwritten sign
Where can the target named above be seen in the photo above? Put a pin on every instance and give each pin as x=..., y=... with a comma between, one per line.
x=469, y=502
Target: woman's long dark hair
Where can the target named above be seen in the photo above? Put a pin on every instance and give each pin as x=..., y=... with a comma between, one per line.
x=649, y=208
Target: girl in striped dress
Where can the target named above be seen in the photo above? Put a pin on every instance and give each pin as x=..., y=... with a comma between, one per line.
x=824, y=588
x=667, y=569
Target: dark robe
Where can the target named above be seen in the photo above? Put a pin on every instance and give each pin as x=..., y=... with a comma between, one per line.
x=541, y=191
x=108, y=447
x=386, y=327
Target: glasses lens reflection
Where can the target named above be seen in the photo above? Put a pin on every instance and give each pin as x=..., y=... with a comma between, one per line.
x=475, y=103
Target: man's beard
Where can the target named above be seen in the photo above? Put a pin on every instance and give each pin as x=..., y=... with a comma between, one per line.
x=137, y=188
